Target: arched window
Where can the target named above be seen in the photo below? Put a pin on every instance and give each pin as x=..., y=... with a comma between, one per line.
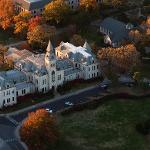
x=53, y=76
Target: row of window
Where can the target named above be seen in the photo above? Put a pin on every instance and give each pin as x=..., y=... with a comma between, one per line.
x=93, y=68
x=93, y=75
x=8, y=100
x=8, y=92
x=23, y=92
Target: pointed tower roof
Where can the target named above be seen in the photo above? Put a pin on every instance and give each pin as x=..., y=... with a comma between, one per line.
x=50, y=48
x=87, y=46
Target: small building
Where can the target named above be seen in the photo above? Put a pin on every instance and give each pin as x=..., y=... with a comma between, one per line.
x=115, y=32
x=36, y=7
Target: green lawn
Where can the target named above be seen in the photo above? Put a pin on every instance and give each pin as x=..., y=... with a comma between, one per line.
x=110, y=127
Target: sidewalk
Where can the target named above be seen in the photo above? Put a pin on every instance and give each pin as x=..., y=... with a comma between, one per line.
x=14, y=44
x=58, y=97
x=4, y=145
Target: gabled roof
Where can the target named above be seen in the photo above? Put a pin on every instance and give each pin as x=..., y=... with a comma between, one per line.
x=117, y=29
x=32, y=4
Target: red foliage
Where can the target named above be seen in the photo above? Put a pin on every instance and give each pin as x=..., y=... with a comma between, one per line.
x=35, y=21
x=39, y=130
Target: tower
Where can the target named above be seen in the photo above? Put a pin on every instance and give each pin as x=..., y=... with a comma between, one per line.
x=87, y=46
x=50, y=63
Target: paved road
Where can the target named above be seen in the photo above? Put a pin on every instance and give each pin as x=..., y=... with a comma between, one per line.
x=9, y=124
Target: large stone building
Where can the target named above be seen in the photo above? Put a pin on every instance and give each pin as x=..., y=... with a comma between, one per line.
x=36, y=7
x=43, y=72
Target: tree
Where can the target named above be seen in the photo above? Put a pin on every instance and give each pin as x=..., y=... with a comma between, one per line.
x=3, y=50
x=40, y=35
x=39, y=130
x=22, y=23
x=6, y=13
x=77, y=40
x=56, y=12
x=35, y=21
x=88, y=5
x=135, y=36
x=122, y=59
x=115, y=3
x=137, y=76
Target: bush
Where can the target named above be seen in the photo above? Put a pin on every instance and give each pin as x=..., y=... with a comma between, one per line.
x=144, y=127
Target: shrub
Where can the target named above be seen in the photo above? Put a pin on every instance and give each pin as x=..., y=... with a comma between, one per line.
x=144, y=127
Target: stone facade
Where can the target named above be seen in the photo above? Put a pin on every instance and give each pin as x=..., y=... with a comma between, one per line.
x=43, y=72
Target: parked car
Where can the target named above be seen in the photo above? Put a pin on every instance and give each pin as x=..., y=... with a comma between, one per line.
x=49, y=110
x=104, y=86
x=69, y=103
x=129, y=84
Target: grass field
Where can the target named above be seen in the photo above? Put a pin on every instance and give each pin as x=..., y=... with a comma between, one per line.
x=110, y=127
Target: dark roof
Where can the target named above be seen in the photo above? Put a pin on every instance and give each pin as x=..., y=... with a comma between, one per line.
x=117, y=28
x=32, y=4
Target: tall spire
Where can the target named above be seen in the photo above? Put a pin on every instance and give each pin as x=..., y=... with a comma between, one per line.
x=50, y=48
x=87, y=46
x=50, y=51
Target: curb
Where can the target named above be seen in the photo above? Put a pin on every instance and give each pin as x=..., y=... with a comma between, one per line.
x=48, y=101
x=17, y=135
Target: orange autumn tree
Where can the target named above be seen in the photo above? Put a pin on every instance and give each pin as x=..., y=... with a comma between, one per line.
x=6, y=13
x=22, y=23
x=35, y=21
x=56, y=11
x=40, y=35
x=88, y=4
x=123, y=58
x=77, y=40
x=39, y=130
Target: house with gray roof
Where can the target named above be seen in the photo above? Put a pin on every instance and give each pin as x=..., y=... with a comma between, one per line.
x=36, y=7
x=115, y=32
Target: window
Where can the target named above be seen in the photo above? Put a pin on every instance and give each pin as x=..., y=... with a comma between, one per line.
x=53, y=76
x=13, y=98
x=59, y=77
x=13, y=92
x=17, y=93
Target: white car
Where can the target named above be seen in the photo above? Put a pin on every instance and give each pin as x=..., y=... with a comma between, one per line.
x=68, y=103
x=49, y=110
